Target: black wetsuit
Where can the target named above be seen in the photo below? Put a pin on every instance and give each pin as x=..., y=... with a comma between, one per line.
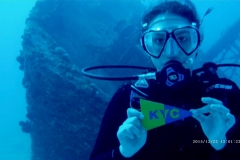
x=177, y=140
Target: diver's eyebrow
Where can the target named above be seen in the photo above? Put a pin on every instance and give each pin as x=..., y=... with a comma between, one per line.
x=182, y=31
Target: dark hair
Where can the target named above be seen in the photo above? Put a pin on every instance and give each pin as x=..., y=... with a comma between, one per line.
x=187, y=10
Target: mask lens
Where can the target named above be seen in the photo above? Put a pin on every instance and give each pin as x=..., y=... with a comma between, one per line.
x=187, y=38
x=154, y=42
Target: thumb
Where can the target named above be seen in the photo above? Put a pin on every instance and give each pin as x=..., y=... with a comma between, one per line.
x=131, y=112
x=200, y=117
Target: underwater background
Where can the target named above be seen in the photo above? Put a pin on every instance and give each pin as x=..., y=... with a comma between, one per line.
x=48, y=109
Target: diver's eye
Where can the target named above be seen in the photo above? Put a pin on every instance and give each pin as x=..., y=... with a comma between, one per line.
x=182, y=36
x=182, y=39
x=158, y=38
x=159, y=41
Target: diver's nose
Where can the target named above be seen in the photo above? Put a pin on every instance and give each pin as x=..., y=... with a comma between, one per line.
x=171, y=49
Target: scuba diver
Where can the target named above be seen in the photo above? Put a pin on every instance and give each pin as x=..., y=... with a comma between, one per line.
x=171, y=37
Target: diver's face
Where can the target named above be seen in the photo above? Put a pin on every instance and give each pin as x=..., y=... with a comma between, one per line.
x=171, y=49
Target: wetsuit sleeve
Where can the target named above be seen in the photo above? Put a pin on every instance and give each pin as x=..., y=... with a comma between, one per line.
x=232, y=147
x=107, y=144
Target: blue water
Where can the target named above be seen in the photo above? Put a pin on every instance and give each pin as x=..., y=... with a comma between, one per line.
x=14, y=144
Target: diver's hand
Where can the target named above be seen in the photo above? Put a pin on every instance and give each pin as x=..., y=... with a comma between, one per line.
x=215, y=125
x=131, y=134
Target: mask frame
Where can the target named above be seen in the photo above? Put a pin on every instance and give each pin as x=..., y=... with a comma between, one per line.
x=171, y=35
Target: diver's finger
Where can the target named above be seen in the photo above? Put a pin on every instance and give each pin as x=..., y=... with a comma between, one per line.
x=220, y=108
x=135, y=131
x=134, y=121
x=128, y=130
x=202, y=110
x=131, y=112
x=209, y=100
x=231, y=120
x=125, y=132
x=200, y=117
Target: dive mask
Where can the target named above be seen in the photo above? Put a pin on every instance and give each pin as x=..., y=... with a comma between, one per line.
x=187, y=38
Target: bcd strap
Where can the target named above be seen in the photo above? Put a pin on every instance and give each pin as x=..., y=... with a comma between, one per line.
x=140, y=90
